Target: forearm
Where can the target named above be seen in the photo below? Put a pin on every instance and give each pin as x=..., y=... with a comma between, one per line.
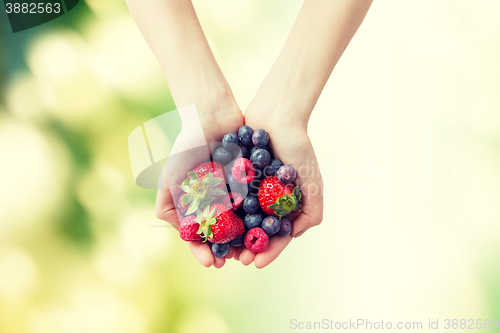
x=175, y=36
x=318, y=38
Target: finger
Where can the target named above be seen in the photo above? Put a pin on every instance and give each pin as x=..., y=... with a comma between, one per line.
x=246, y=257
x=238, y=251
x=304, y=222
x=272, y=251
x=230, y=254
x=219, y=262
x=165, y=208
x=202, y=253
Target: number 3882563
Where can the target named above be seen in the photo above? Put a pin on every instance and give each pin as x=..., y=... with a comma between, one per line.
x=33, y=8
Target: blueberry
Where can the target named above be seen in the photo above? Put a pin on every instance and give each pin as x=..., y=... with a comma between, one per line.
x=241, y=151
x=260, y=138
x=220, y=250
x=270, y=225
x=286, y=174
x=230, y=141
x=252, y=220
x=251, y=204
x=273, y=167
x=254, y=148
x=238, y=241
x=260, y=158
x=245, y=135
x=241, y=213
x=222, y=155
x=245, y=152
x=285, y=227
x=253, y=187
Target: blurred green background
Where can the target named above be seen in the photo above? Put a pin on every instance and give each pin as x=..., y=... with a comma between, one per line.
x=407, y=133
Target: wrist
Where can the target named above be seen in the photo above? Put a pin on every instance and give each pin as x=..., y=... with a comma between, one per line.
x=282, y=107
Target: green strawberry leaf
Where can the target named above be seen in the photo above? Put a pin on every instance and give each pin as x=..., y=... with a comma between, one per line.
x=208, y=178
x=208, y=199
x=215, y=182
x=185, y=188
x=187, y=198
x=193, y=206
x=216, y=191
x=193, y=176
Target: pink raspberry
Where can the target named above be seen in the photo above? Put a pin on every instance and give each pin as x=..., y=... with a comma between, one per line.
x=243, y=171
x=188, y=229
x=256, y=240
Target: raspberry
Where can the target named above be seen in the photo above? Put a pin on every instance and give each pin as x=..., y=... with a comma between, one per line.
x=243, y=171
x=256, y=240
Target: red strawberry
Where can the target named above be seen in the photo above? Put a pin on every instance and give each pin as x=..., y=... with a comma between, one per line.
x=278, y=199
x=215, y=168
x=189, y=228
x=219, y=224
x=204, y=184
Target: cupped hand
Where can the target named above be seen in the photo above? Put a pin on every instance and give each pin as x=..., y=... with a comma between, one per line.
x=215, y=121
x=291, y=144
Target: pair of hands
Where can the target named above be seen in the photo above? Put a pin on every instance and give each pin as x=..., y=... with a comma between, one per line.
x=282, y=107
x=291, y=144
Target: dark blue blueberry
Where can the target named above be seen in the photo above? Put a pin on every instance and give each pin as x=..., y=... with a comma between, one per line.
x=286, y=174
x=245, y=152
x=271, y=225
x=260, y=138
x=260, y=158
x=285, y=227
x=238, y=241
x=220, y=250
x=253, y=186
x=252, y=221
x=273, y=167
x=245, y=135
x=254, y=148
x=230, y=141
x=251, y=204
x=222, y=155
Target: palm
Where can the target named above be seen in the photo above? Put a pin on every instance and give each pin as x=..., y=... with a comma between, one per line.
x=292, y=146
x=215, y=125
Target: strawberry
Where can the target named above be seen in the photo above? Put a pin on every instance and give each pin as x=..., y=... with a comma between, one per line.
x=204, y=183
x=215, y=168
x=219, y=224
x=189, y=228
x=277, y=199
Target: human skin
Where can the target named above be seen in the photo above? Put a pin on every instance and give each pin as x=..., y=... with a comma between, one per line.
x=174, y=34
x=282, y=105
x=287, y=98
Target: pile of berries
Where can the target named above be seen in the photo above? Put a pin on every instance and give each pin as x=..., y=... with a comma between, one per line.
x=239, y=198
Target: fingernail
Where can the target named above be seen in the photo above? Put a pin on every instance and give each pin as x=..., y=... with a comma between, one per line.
x=299, y=234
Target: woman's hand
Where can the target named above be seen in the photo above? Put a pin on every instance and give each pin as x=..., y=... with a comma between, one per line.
x=290, y=143
x=216, y=120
